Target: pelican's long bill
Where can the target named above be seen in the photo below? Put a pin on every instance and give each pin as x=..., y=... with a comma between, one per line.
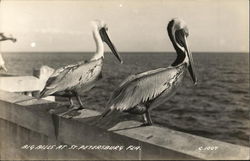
x=106, y=39
x=191, y=62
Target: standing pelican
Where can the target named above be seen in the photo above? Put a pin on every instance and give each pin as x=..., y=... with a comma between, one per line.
x=75, y=79
x=4, y=38
x=140, y=93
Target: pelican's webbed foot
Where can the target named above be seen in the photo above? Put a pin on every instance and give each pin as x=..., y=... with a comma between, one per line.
x=71, y=108
x=69, y=111
x=147, y=124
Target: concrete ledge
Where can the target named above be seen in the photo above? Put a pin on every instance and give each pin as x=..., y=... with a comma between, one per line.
x=13, y=137
x=20, y=83
x=155, y=142
x=29, y=85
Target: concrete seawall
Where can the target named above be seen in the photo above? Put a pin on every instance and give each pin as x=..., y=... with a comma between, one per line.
x=30, y=123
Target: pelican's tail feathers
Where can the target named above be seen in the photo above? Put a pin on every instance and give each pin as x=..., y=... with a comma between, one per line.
x=46, y=92
x=105, y=113
x=101, y=117
x=42, y=93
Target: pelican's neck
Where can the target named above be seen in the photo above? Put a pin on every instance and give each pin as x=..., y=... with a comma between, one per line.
x=99, y=45
x=180, y=51
x=180, y=59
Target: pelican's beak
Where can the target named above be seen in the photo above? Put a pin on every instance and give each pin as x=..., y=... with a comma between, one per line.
x=191, y=62
x=2, y=67
x=106, y=39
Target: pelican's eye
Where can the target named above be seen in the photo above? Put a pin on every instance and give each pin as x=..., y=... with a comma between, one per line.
x=106, y=28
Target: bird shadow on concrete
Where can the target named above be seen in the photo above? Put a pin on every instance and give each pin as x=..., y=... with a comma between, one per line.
x=116, y=121
x=112, y=122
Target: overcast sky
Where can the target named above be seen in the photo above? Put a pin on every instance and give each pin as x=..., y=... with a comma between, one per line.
x=64, y=25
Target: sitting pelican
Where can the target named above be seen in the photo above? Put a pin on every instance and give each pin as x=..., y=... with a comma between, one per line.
x=75, y=79
x=4, y=38
x=140, y=93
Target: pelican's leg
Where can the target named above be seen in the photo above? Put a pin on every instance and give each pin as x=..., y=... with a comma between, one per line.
x=71, y=107
x=70, y=110
x=80, y=102
x=147, y=119
x=71, y=102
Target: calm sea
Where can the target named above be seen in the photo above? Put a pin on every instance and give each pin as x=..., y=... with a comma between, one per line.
x=217, y=108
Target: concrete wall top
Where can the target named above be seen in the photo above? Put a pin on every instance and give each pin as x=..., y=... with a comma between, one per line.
x=154, y=142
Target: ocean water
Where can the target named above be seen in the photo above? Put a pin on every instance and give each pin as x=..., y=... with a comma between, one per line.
x=217, y=108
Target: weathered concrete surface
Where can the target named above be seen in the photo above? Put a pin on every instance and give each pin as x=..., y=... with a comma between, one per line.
x=156, y=142
x=14, y=137
x=74, y=132
x=182, y=142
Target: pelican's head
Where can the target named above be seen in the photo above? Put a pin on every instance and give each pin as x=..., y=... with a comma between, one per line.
x=103, y=30
x=98, y=24
x=178, y=33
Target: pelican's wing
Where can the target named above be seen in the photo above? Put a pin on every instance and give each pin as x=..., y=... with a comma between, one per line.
x=1, y=34
x=62, y=69
x=141, y=88
x=54, y=80
x=58, y=75
x=134, y=76
x=68, y=77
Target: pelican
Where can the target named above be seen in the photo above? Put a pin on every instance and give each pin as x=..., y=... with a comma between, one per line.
x=140, y=93
x=75, y=79
x=4, y=38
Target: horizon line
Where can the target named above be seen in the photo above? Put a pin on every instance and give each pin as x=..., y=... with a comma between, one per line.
x=130, y=52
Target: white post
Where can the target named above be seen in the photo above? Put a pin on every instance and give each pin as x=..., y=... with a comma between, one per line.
x=43, y=74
